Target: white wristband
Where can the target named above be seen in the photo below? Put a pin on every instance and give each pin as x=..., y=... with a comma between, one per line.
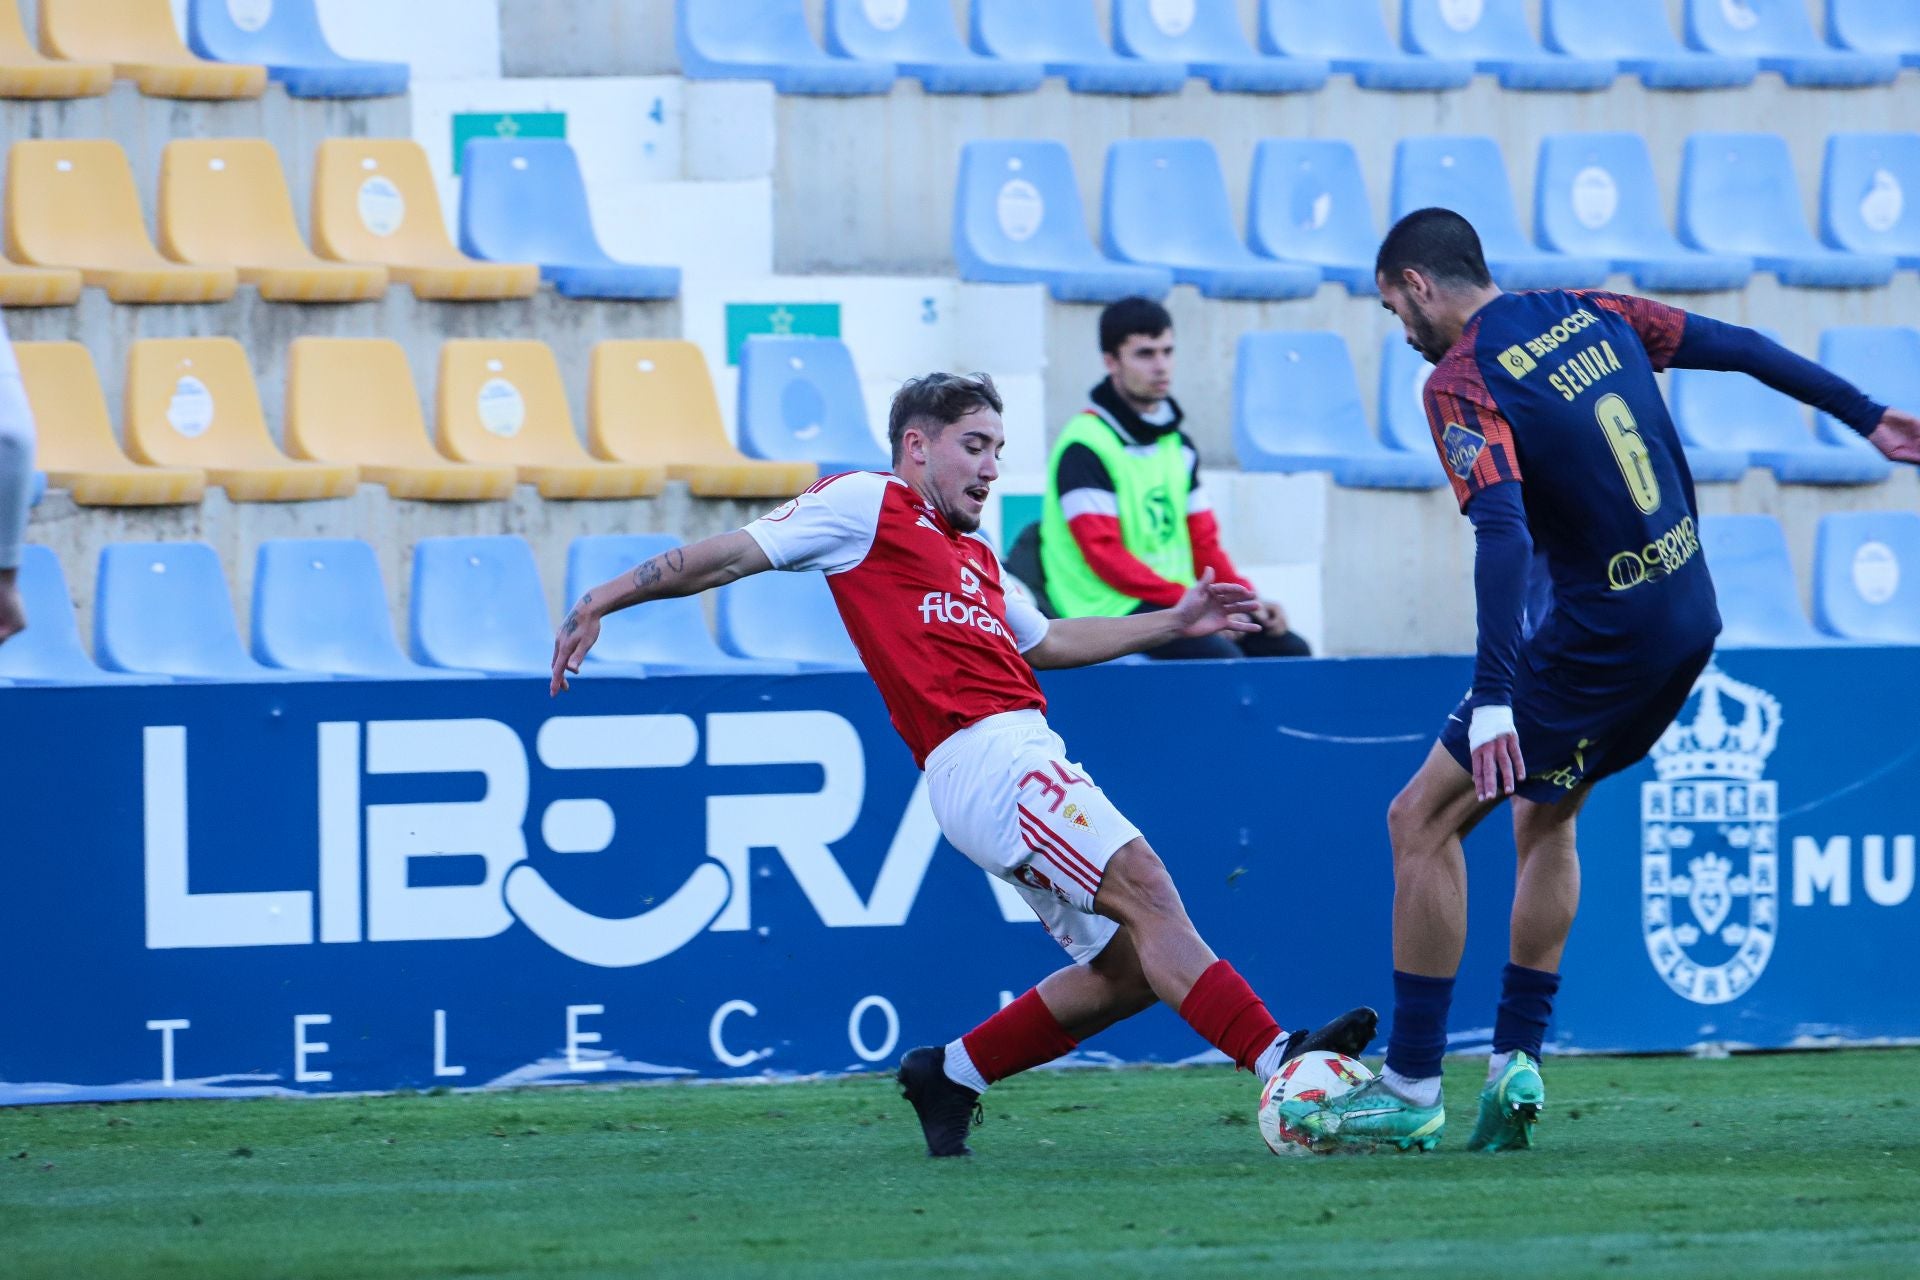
x=1488, y=723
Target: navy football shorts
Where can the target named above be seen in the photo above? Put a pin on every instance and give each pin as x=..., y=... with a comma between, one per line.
x=1581, y=724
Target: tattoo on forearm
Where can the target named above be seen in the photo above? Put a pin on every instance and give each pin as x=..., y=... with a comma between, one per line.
x=571, y=623
x=676, y=559
x=647, y=574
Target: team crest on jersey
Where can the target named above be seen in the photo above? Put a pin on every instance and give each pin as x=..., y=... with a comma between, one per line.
x=1709, y=843
x=1077, y=817
x=782, y=511
x=1462, y=448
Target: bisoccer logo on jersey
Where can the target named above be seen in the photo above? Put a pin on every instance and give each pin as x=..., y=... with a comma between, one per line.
x=1710, y=858
x=1462, y=448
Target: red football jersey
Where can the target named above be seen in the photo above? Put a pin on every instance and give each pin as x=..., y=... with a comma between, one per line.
x=924, y=605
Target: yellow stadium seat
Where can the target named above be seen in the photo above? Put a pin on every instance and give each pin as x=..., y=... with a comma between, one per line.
x=138, y=37
x=653, y=402
x=503, y=402
x=76, y=447
x=27, y=73
x=73, y=204
x=224, y=203
x=374, y=200
x=37, y=286
x=353, y=400
x=192, y=402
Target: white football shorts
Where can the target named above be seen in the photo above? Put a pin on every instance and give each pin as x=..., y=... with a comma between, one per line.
x=1006, y=795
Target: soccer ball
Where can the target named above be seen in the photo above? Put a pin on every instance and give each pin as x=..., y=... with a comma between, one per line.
x=1318, y=1076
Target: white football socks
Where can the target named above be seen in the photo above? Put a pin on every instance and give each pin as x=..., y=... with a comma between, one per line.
x=960, y=1068
x=1496, y=1064
x=1269, y=1060
x=1421, y=1093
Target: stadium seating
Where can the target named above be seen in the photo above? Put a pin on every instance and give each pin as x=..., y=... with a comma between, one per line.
x=1493, y=36
x=49, y=651
x=653, y=403
x=1733, y=411
x=1065, y=40
x=1753, y=577
x=1468, y=175
x=319, y=606
x=1596, y=196
x=667, y=637
x=1017, y=219
x=285, y=36
x=224, y=203
x=1402, y=412
x=523, y=200
x=784, y=617
x=1636, y=34
x=353, y=400
x=920, y=38
x=1865, y=205
x=800, y=401
x=1866, y=576
x=25, y=72
x=1883, y=361
x=1165, y=205
x=38, y=286
x=767, y=40
x=374, y=200
x=1308, y=203
x=1781, y=35
x=162, y=608
x=140, y=41
x=73, y=204
x=503, y=404
x=1738, y=195
x=1206, y=36
x=1876, y=26
x=76, y=446
x=1296, y=407
x=1353, y=39
x=477, y=605
x=192, y=402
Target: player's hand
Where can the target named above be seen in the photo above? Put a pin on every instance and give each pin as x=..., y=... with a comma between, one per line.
x=1272, y=618
x=1497, y=765
x=1897, y=436
x=1210, y=607
x=578, y=630
x=13, y=614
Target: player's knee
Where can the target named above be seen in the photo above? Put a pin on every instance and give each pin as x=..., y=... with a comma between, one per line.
x=1407, y=821
x=1137, y=889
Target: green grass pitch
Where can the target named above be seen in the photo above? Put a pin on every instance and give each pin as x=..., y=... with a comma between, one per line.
x=1781, y=1165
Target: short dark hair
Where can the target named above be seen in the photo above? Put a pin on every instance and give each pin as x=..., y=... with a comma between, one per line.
x=1129, y=316
x=1439, y=244
x=940, y=399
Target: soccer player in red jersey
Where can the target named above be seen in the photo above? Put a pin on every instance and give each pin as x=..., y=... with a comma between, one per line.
x=953, y=654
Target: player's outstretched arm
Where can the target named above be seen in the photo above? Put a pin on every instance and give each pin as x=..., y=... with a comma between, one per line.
x=1208, y=607
x=1897, y=436
x=683, y=571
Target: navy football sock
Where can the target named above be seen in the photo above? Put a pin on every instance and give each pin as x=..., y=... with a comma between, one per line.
x=1419, y=1038
x=1526, y=1006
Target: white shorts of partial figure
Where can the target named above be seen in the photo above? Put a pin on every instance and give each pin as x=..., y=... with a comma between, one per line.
x=1006, y=795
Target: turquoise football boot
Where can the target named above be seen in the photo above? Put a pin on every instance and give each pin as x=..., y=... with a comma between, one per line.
x=1509, y=1105
x=1369, y=1117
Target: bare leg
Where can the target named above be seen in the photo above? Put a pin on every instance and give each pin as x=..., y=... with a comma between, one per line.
x=1546, y=890
x=1086, y=999
x=1137, y=891
x=1426, y=822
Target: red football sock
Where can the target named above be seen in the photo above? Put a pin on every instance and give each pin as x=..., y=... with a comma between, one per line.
x=1223, y=1009
x=1021, y=1036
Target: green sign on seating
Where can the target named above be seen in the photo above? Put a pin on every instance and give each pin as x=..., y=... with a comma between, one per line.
x=468, y=125
x=779, y=319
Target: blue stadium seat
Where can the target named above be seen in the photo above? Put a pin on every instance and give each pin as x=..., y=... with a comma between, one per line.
x=1636, y=34
x=162, y=608
x=478, y=606
x=1753, y=577
x=1296, y=407
x=1733, y=411
x=49, y=650
x=1876, y=26
x=1468, y=175
x=1882, y=360
x=1738, y=194
x=1870, y=195
x=523, y=200
x=319, y=606
x=1866, y=576
x=1493, y=36
x=1017, y=219
x=667, y=637
x=1595, y=195
x=1165, y=205
x=1353, y=39
x=920, y=38
x=800, y=401
x=1402, y=412
x=785, y=617
x=1781, y=35
x=287, y=39
x=1308, y=203
x=1206, y=36
x=1065, y=39
x=767, y=40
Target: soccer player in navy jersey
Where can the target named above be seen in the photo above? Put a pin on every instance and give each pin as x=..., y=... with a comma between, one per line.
x=1545, y=411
